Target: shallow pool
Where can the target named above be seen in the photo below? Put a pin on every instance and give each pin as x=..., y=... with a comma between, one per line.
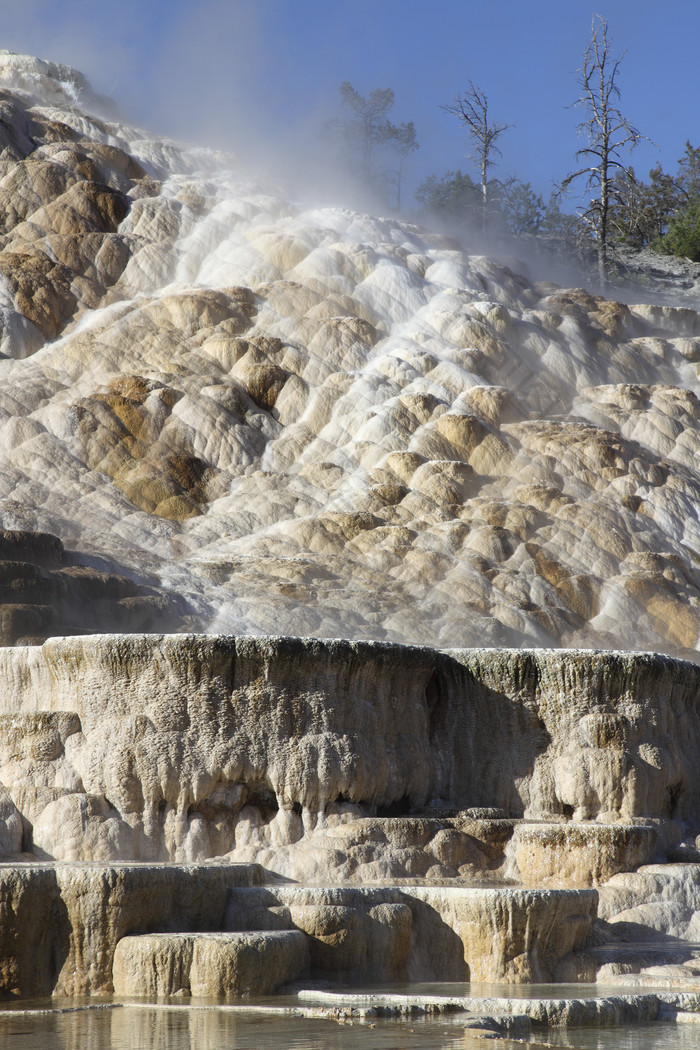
x=112, y=1026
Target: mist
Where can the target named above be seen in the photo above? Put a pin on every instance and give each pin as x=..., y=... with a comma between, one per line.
x=353, y=426
x=259, y=80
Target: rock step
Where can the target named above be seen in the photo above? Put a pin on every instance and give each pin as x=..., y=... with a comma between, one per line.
x=565, y=1012
x=208, y=964
x=579, y=853
x=655, y=903
x=617, y=962
x=416, y=932
x=79, y=912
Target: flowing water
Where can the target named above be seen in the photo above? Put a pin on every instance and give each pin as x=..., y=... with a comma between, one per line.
x=347, y=426
x=452, y=453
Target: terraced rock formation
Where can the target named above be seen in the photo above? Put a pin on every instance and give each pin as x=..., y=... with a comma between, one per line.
x=318, y=422
x=363, y=810
x=226, y=413
x=121, y=747
x=46, y=590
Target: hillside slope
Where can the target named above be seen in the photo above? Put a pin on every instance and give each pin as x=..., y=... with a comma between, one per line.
x=310, y=421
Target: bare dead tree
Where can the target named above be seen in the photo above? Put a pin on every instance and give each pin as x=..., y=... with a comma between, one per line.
x=609, y=134
x=471, y=109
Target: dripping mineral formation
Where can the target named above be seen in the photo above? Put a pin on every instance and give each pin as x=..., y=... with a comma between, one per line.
x=235, y=419
x=373, y=811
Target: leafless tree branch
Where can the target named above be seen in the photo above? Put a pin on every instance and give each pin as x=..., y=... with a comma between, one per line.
x=609, y=134
x=471, y=109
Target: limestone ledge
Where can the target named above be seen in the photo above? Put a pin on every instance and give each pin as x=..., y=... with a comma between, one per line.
x=578, y=854
x=541, y=1012
x=208, y=964
x=660, y=901
x=214, y=929
x=60, y=924
x=415, y=932
x=147, y=747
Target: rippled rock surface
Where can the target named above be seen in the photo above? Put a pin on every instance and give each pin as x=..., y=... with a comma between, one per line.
x=318, y=422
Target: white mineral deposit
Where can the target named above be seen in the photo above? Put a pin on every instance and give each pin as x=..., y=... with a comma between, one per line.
x=349, y=599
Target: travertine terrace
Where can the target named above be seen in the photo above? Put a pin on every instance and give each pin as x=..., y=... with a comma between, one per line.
x=413, y=813
x=236, y=429
x=187, y=747
x=240, y=414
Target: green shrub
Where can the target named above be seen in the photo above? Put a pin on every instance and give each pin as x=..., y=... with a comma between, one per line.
x=683, y=237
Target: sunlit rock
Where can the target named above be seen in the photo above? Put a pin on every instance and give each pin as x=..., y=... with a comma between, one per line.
x=60, y=925
x=273, y=424
x=425, y=782
x=435, y=933
x=579, y=854
x=204, y=380
x=270, y=749
x=208, y=964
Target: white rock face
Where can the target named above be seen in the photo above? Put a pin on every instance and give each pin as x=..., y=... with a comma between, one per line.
x=223, y=412
x=318, y=422
x=664, y=900
x=307, y=757
x=416, y=932
x=270, y=749
x=74, y=930
x=60, y=924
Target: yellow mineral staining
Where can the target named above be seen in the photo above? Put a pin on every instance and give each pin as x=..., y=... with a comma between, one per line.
x=675, y=621
x=611, y=317
x=448, y=482
x=404, y=464
x=281, y=251
x=227, y=378
x=121, y=430
x=494, y=404
x=264, y=383
x=41, y=288
x=190, y=313
x=579, y=593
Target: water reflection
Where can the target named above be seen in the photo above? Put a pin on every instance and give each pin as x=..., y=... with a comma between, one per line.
x=211, y=1028
x=660, y=1036
x=136, y=1028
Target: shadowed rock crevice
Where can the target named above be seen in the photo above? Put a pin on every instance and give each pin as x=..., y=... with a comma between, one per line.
x=44, y=590
x=35, y=943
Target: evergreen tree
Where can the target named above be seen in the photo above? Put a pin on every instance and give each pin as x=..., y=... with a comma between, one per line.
x=645, y=209
x=366, y=136
x=454, y=196
x=562, y=228
x=688, y=177
x=523, y=210
x=683, y=237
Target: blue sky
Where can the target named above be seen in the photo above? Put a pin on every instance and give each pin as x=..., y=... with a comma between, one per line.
x=230, y=72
